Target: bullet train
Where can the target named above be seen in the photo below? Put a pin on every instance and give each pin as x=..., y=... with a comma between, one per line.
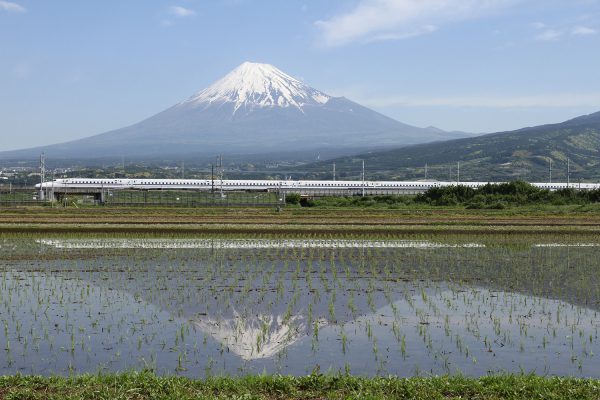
x=273, y=185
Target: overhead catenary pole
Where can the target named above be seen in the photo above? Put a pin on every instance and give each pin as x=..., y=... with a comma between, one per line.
x=425, y=171
x=220, y=157
x=458, y=172
x=334, y=172
x=52, y=191
x=568, y=172
x=550, y=177
x=363, y=178
x=42, y=175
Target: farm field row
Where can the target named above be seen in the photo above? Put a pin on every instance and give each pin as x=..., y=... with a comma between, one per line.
x=258, y=221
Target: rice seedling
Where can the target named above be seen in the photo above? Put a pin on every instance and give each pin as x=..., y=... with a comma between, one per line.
x=222, y=310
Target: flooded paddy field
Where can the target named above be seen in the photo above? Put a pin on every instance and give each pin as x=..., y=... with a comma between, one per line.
x=204, y=307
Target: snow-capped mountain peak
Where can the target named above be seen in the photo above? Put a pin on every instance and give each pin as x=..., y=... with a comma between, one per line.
x=254, y=85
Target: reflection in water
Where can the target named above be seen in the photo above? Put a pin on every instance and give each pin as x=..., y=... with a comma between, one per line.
x=262, y=336
x=368, y=310
x=245, y=244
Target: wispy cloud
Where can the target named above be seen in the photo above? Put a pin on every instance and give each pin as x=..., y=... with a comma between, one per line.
x=539, y=25
x=373, y=20
x=179, y=11
x=557, y=100
x=11, y=7
x=583, y=31
x=549, y=35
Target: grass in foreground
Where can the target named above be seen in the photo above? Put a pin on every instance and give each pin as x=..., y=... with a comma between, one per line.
x=146, y=385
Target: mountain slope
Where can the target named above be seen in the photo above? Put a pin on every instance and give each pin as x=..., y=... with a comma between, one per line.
x=256, y=108
x=525, y=153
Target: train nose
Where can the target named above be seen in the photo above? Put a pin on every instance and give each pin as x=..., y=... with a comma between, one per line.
x=38, y=186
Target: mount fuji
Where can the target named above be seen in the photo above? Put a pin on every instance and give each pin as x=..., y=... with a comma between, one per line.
x=254, y=109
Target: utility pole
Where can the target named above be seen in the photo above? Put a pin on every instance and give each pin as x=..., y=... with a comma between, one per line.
x=220, y=172
x=334, y=172
x=52, y=191
x=42, y=175
x=568, y=172
x=363, y=178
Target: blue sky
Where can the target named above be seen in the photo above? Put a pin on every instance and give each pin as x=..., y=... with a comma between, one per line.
x=71, y=68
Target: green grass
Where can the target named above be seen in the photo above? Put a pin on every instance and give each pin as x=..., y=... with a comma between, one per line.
x=146, y=385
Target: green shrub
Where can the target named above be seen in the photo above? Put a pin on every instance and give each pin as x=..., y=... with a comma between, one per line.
x=292, y=198
x=304, y=202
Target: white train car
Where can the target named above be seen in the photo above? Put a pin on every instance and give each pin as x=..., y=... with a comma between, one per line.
x=334, y=187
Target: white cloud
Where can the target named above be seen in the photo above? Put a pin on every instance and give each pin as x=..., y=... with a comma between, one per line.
x=373, y=20
x=552, y=34
x=549, y=34
x=583, y=31
x=9, y=6
x=558, y=100
x=539, y=25
x=179, y=11
x=422, y=30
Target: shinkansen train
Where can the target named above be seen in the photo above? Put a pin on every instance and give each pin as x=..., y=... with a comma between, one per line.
x=274, y=185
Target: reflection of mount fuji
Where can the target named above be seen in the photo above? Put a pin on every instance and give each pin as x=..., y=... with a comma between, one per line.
x=258, y=302
x=261, y=336
x=267, y=327
x=256, y=316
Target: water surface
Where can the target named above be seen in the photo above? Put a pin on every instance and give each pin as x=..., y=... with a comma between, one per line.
x=213, y=307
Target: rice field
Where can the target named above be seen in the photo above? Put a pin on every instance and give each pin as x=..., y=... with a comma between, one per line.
x=203, y=307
